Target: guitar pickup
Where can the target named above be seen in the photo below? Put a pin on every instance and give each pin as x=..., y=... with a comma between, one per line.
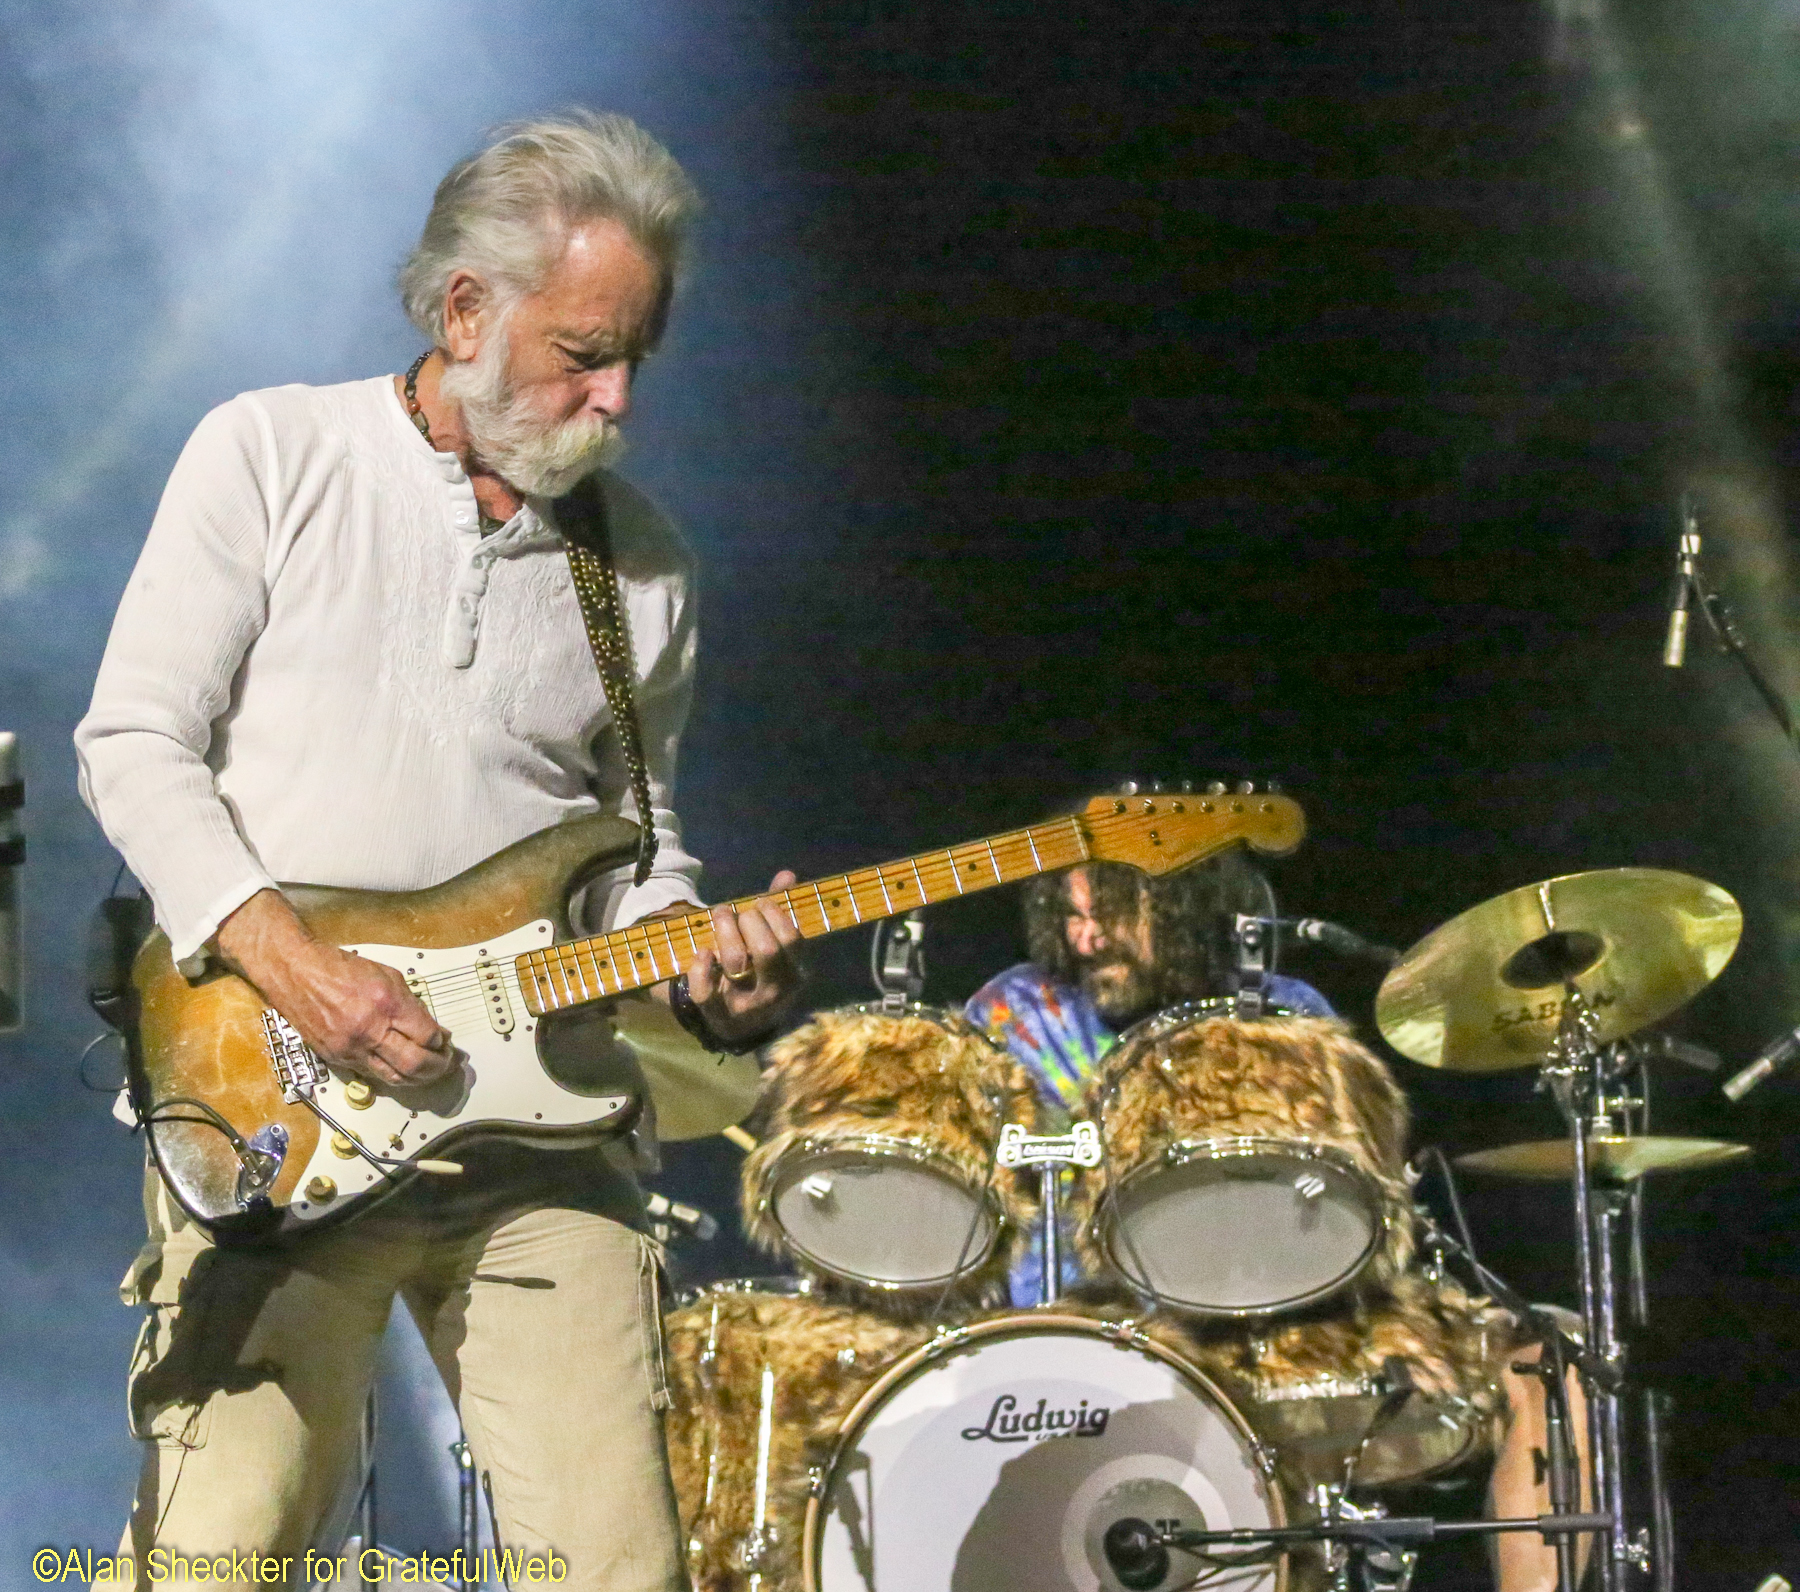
x=494, y=997
x=420, y=989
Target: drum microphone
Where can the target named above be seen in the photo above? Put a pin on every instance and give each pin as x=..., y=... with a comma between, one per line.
x=1335, y=937
x=1776, y=1056
x=1687, y=556
x=12, y=859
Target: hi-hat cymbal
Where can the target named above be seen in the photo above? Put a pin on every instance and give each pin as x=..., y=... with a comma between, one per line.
x=696, y=1093
x=1485, y=990
x=1616, y=1160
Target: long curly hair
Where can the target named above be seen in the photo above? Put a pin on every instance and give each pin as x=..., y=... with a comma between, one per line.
x=1189, y=915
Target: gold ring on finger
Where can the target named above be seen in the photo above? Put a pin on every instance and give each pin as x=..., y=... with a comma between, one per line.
x=746, y=977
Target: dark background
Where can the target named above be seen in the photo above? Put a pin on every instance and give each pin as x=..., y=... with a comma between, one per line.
x=1062, y=394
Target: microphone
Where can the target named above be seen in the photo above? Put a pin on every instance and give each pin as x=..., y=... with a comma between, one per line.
x=1335, y=937
x=1776, y=1056
x=12, y=860
x=1687, y=556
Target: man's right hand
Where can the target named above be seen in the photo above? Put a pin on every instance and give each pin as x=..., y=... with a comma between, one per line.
x=353, y=1012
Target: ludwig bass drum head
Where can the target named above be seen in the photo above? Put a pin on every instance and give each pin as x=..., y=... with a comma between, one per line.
x=1182, y=1231
x=889, y=1220
x=1000, y=1461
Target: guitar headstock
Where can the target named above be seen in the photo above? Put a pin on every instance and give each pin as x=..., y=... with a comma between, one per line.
x=1159, y=831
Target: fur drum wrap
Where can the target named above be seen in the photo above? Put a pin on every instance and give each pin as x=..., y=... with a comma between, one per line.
x=823, y=1356
x=931, y=1082
x=1312, y=1383
x=1292, y=1078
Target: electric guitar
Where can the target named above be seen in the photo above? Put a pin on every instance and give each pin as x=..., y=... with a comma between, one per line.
x=254, y=1134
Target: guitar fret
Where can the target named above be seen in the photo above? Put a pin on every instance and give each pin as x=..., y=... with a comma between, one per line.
x=593, y=961
x=955, y=873
x=674, y=957
x=819, y=896
x=850, y=891
x=613, y=962
x=693, y=943
x=884, y=892
x=1037, y=862
x=993, y=861
x=568, y=998
x=1080, y=839
x=787, y=897
x=919, y=879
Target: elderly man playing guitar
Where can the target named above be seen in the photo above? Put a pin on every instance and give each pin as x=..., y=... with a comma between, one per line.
x=359, y=650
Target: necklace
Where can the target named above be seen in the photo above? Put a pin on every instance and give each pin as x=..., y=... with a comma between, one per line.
x=417, y=413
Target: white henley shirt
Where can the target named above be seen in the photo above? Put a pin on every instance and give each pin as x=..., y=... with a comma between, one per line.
x=321, y=672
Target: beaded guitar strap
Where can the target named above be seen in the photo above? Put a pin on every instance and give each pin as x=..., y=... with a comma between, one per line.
x=582, y=517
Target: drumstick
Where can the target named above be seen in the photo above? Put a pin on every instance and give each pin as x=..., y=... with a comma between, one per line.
x=740, y=1138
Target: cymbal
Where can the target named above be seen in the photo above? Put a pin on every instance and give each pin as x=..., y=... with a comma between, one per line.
x=696, y=1093
x=1618, y=1160
x=1484, y=991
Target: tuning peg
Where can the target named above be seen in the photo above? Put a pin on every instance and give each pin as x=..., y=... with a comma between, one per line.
x=1216, y=788
x=1156, y=787
x=1187, y=787
x=1246, y=787
x=1128, y=787
x=1272, y=787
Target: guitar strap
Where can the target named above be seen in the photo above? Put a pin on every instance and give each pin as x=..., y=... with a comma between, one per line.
x=588, y=541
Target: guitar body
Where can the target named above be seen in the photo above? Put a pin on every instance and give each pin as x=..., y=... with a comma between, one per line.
x=216, y=1041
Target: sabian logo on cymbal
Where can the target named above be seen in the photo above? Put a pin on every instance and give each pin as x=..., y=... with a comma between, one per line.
x=1550, y=1011
x=1006, y=1425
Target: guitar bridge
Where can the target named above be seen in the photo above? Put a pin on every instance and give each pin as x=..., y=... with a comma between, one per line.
x=297, y=1069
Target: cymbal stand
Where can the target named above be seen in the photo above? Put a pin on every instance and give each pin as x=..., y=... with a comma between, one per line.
x=1575, y=1073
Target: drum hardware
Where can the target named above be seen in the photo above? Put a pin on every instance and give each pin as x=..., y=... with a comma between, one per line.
x=694, y=1091
x=1050, y=1153
x=1252, y=946
x=897, y=961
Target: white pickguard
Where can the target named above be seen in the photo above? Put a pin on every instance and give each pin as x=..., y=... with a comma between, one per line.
x=497, y=1079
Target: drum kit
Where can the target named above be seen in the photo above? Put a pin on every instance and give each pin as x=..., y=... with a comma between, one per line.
x=1265, y=1337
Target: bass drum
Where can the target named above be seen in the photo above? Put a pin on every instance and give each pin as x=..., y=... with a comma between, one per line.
x=997, y=1458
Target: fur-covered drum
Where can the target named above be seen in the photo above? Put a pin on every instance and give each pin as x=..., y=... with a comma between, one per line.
x=735, y=1351
x=878, y=1160
x=1252, y=1167
x=1392, y=1391
x=1005, y=1456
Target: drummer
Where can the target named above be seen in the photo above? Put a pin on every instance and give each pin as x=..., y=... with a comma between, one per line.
x=1110, y=945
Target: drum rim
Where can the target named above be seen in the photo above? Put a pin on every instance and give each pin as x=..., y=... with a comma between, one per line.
x=1183, y=1152
x=1468, y=1421
x=775, y=1287
x=1042, y=1322
x=893, y=1146
x=1184, y=1014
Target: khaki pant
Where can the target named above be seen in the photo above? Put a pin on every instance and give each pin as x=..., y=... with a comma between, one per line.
x=251, y=1374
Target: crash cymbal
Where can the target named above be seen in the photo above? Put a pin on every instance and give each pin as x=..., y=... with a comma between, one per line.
x=1619, y=1160
x=696, y=1093
x=1484, y=991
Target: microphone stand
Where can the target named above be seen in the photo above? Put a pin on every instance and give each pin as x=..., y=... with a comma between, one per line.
x=1723, y=625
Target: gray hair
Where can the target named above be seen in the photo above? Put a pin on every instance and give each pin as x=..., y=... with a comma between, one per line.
x=505, y=214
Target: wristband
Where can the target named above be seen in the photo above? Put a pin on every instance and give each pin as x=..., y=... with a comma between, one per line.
x=688, y=1014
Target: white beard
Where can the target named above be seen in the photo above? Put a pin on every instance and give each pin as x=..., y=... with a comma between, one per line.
x=531, y=455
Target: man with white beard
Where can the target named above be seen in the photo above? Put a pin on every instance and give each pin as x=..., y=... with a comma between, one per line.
x=351, y=654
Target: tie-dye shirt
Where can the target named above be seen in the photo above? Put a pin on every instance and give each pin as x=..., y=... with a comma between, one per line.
x=1058, y=1034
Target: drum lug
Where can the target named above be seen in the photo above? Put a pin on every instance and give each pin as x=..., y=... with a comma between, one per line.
x=1265, y=1458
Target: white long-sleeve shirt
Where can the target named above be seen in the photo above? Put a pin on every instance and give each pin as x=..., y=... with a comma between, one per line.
x=321, y=672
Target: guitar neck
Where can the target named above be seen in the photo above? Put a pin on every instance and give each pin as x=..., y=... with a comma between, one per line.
x=578, y=971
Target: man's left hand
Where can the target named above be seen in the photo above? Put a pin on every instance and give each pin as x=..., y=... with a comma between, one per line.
x=745, y=984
